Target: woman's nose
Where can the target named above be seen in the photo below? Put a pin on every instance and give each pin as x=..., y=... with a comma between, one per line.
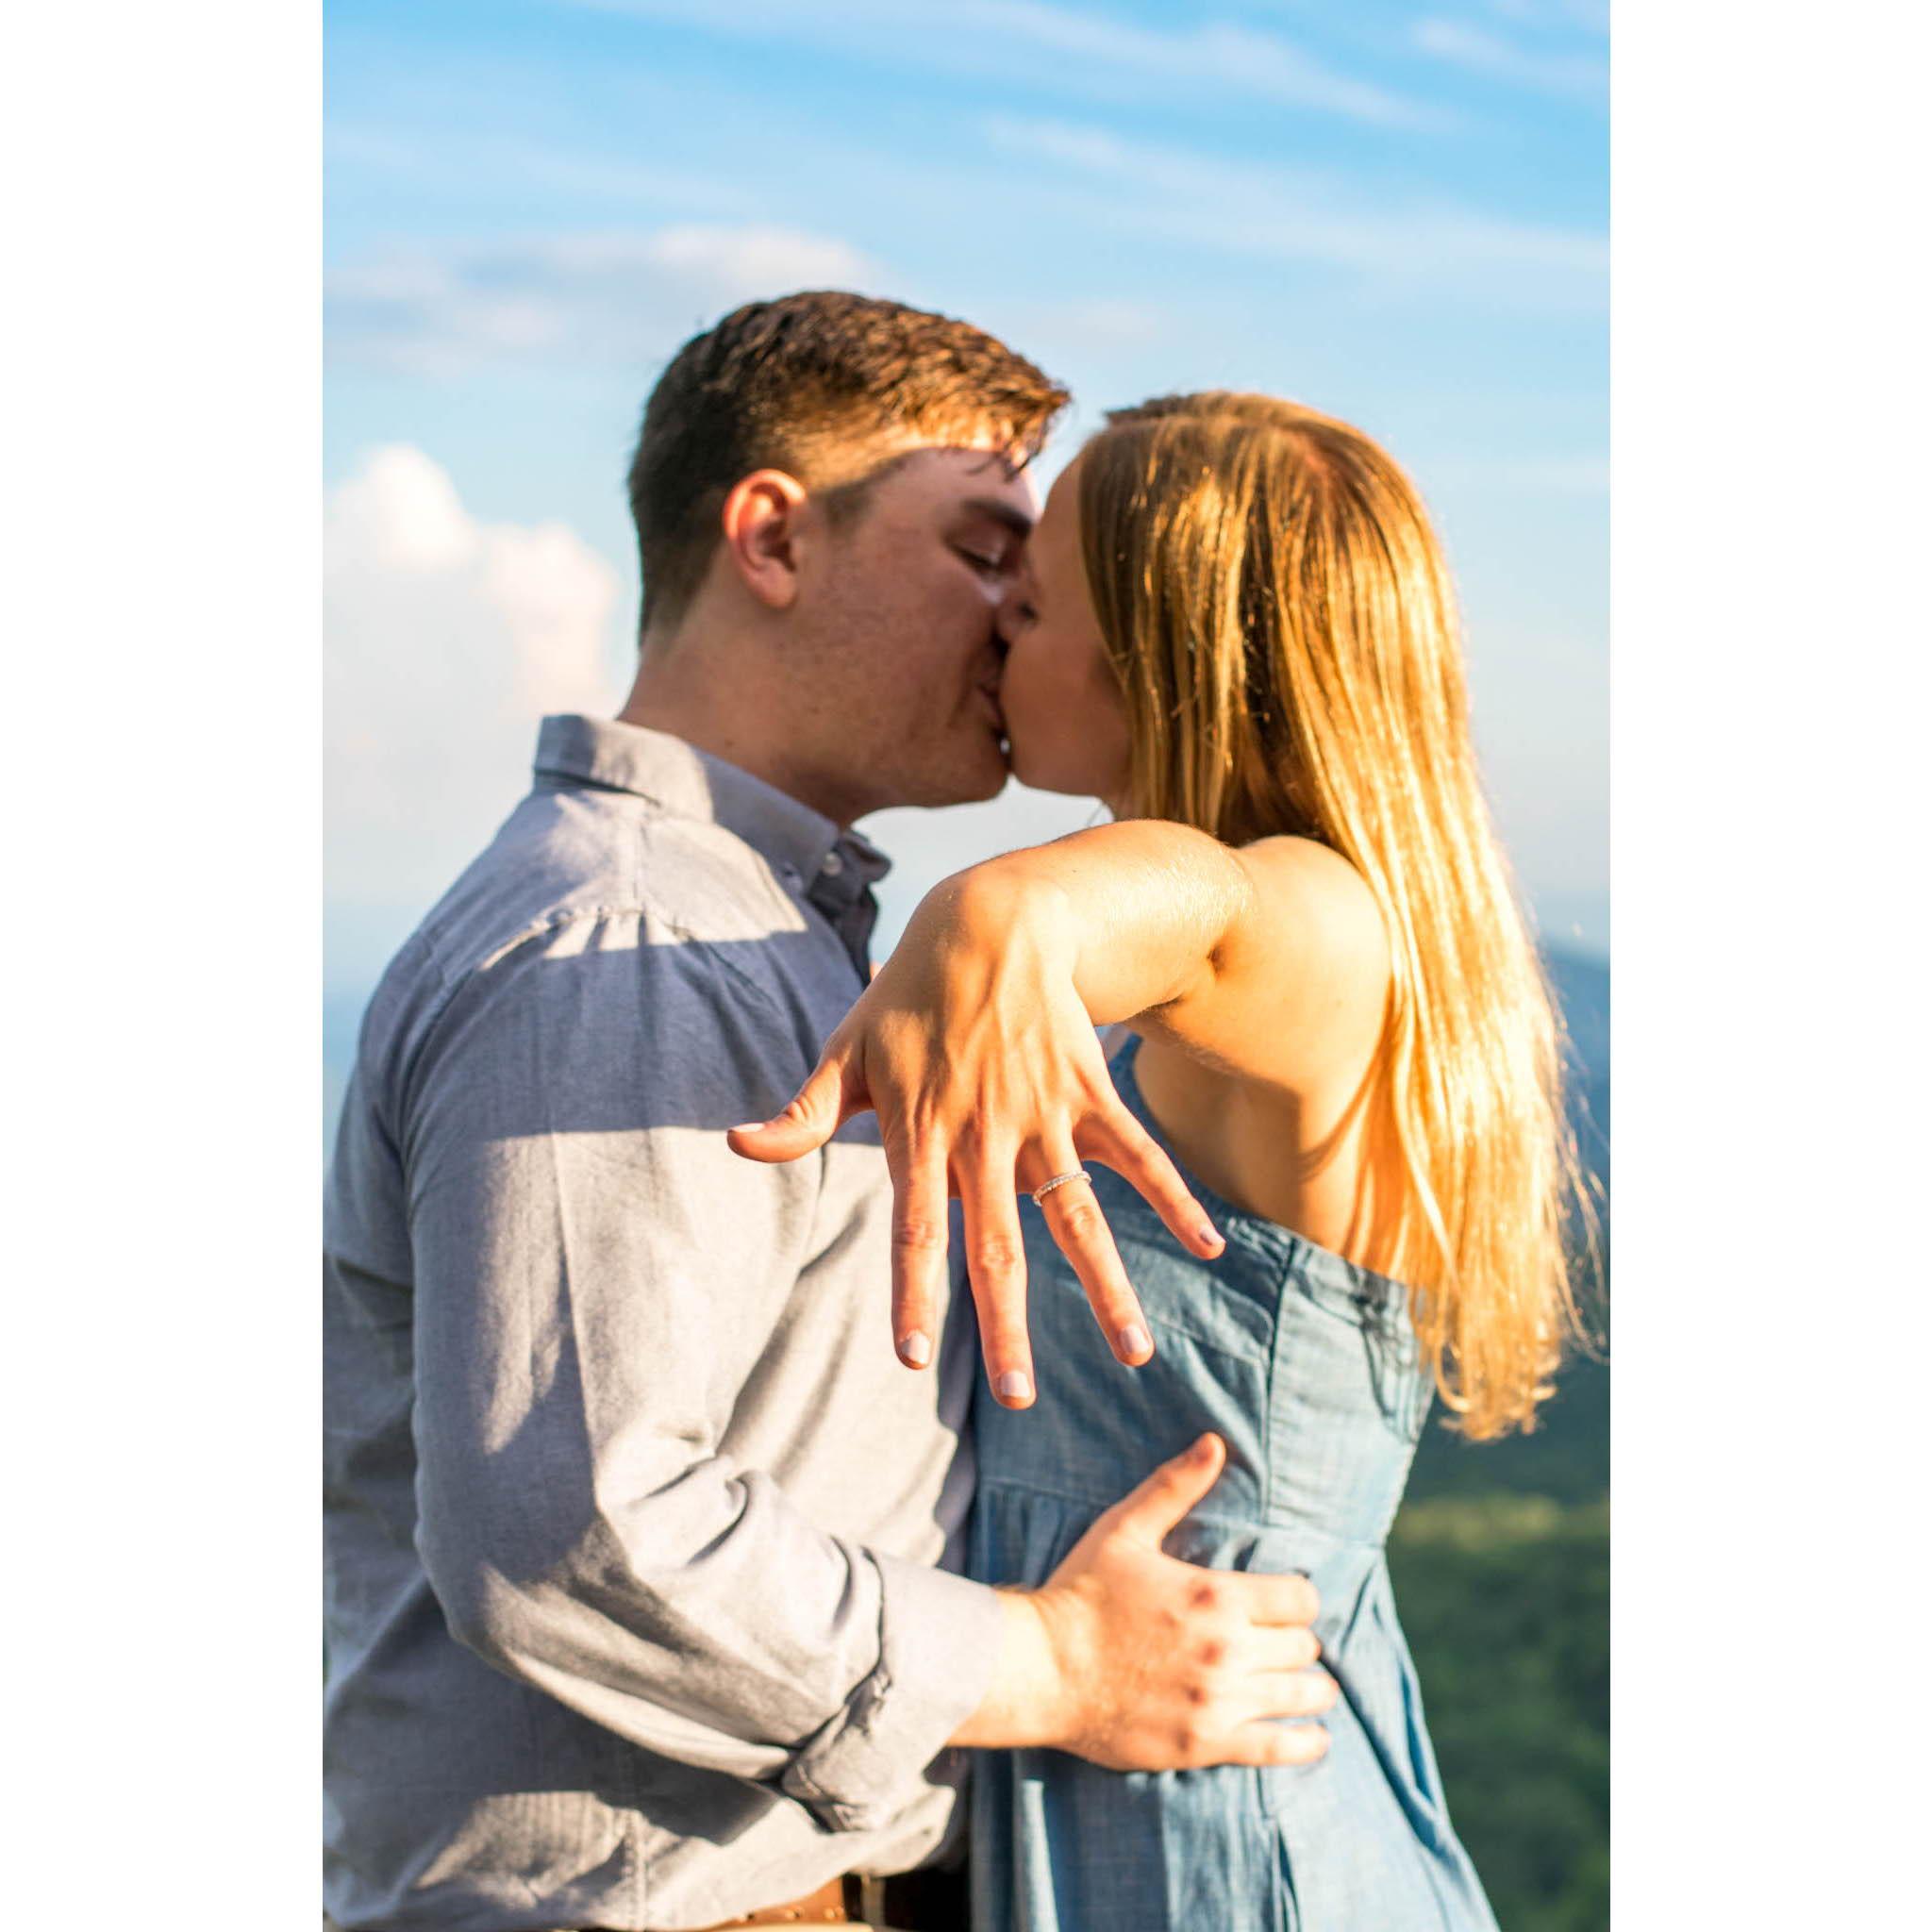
x=1015, y=612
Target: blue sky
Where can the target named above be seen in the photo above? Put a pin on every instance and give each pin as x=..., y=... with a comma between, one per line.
x=1397, y=214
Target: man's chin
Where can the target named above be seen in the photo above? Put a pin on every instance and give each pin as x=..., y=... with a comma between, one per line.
x=967, y=780
x=971, y=792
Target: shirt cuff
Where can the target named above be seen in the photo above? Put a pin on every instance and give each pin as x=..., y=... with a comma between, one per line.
x=938, y=1639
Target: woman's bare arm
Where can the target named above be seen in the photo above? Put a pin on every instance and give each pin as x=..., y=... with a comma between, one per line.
x=1268, y=960
x=975, y=1046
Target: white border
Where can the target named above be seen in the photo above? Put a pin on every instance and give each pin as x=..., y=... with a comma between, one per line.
x=1769, y=694
x=160, y=366
x=160, y=360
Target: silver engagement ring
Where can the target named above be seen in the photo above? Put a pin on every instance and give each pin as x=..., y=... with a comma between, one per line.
x=1059, y=1180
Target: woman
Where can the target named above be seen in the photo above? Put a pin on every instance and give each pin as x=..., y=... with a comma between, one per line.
x=1237, y=630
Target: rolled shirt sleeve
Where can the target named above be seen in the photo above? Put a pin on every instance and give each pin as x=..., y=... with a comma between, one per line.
x=937, y=1636
x=598, y=1282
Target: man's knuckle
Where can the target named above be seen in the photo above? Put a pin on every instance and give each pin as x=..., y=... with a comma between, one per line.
x=1205, y=1595
x=1212, y=1654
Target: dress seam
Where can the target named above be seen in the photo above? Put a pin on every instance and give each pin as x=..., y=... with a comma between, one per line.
x=1242, y=1526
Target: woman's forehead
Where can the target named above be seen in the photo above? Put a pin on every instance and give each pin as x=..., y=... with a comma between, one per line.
x=1060, y=521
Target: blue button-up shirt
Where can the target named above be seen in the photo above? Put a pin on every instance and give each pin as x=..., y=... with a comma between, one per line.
x=635, y=1529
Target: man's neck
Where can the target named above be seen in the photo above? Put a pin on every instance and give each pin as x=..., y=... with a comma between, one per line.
x=713, y=696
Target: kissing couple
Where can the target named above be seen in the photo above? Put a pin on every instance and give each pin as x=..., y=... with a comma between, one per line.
x=722, y=1529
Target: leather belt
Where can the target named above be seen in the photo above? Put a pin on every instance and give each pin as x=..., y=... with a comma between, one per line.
x=927, y=1900
x=837, y=1902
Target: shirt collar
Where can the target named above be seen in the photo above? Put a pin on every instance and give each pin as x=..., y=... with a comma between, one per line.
x=834, y=868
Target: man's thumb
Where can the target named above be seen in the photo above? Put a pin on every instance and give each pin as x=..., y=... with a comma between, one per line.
x=1171, y=1490
x=814, y=1115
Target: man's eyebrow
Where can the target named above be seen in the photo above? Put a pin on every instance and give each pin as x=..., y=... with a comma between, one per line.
x=1001, y=511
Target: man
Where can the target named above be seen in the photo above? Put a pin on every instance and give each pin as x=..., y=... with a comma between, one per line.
x=639, y=1540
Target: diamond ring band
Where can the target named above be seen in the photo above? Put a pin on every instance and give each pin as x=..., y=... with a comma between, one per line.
x=1059, y=1180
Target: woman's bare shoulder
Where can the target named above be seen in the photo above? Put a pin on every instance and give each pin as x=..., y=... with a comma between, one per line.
x=1300, y=984
x=1310, y=900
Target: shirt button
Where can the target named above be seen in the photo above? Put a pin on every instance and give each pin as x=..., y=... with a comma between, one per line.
x=832, y=865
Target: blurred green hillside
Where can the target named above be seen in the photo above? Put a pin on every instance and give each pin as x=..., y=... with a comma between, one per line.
x=1502, y=1578
x=1501, y=1558
x=1504, y=1588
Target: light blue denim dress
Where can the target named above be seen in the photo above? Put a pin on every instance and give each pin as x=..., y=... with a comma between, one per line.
x=1307, y=1365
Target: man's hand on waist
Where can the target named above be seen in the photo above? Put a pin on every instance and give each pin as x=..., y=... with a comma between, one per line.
x=1138, y=1662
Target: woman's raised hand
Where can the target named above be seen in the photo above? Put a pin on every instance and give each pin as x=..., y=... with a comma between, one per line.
x=973, y=1046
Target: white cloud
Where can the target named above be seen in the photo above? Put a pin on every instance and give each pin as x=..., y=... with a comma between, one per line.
x=1310, y=215
x=450, y=159
x=444, y=640
x=1078, y=49
x=1584, y=16
x=1477, y=50
x=613, y=295
x=739, y=263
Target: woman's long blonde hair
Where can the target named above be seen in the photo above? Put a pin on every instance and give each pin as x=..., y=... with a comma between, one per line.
x=1281, y=619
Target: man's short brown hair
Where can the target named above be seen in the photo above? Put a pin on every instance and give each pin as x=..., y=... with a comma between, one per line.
x=801, y=384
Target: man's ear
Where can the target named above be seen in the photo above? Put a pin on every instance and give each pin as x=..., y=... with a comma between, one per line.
x=761, y=528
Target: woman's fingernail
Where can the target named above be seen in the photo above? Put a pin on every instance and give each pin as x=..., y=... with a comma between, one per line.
x=746, y=1127
x=915, y=1350
x=1134, y=1340
x=1014, y=1386
x=1208, y=1236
